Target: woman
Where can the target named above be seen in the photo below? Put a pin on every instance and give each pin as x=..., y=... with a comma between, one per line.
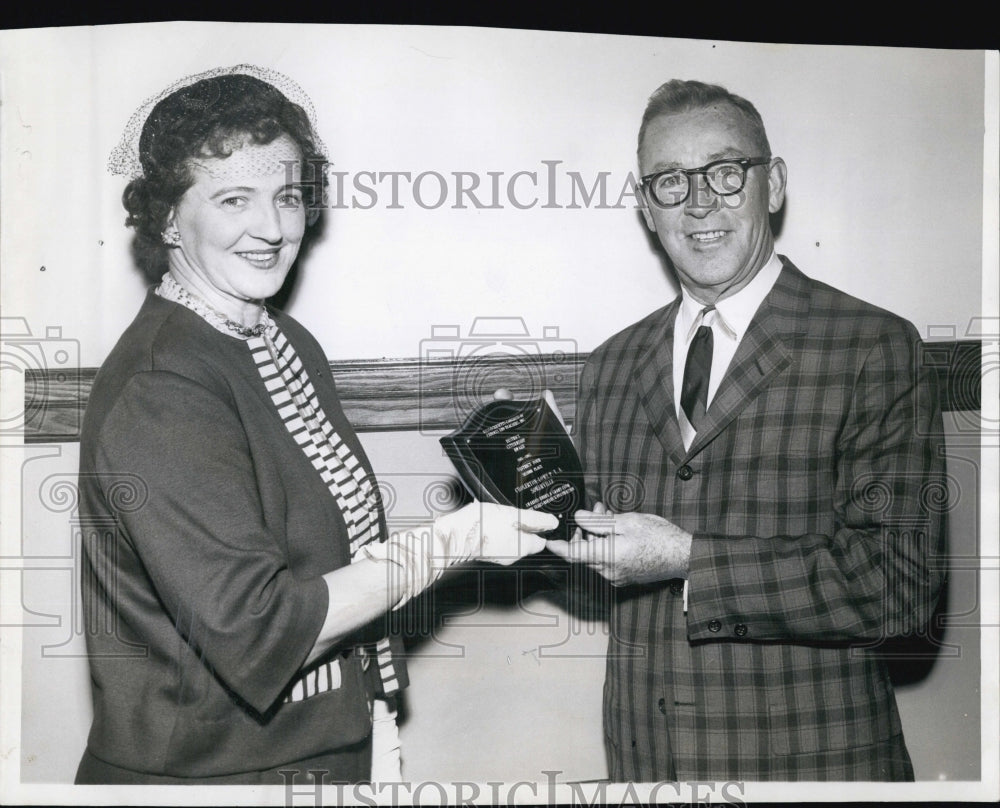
x=235, y=556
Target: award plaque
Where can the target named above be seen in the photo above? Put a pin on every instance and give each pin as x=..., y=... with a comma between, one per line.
x=518, y=453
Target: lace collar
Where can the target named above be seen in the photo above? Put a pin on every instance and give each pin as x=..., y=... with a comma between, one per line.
x=170, y=289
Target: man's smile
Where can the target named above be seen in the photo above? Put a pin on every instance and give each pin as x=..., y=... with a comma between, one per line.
x=708, y=236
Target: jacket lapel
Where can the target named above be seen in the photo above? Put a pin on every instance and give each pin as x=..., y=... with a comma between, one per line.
x=763, y=354
x=654, y=375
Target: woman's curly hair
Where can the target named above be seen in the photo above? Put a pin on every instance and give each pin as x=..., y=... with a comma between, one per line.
x=205, y=119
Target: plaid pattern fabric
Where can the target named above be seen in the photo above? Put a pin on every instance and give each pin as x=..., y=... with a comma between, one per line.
x=814, y=490
x=295, y=399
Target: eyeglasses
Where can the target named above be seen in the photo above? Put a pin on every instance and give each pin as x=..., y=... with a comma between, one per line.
x=725, y=177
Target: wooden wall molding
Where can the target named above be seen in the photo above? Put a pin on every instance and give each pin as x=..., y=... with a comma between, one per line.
x=414, y=394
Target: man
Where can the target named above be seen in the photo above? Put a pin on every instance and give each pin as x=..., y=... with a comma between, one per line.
x=761, y=453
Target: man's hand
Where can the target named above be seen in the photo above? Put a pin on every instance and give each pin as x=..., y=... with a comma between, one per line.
x=627, y=548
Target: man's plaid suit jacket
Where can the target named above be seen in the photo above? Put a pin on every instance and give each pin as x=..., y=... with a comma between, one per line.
x=815, y=493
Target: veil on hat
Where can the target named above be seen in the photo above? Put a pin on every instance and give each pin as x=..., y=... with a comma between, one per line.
x=124, y=158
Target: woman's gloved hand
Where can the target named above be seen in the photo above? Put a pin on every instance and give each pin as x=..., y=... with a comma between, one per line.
x=499, y=534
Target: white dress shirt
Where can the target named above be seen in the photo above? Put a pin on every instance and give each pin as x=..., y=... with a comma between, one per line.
x=730, y=322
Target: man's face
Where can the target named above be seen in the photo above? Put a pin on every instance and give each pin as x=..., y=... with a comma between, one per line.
x=716, y=244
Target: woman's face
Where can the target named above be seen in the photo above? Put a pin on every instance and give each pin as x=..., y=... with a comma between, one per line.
x=240, y=224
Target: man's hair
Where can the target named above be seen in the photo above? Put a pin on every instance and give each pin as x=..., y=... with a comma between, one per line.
x=677, y=96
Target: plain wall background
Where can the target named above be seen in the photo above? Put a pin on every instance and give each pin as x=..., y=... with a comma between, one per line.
x=884, y=148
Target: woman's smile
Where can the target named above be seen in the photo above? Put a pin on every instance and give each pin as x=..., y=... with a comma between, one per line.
x=261, y=259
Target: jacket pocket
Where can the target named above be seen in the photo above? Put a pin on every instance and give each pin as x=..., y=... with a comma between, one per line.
x=840, y=705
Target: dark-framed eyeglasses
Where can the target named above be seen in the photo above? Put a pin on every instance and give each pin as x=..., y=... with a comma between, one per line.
x=725, y=177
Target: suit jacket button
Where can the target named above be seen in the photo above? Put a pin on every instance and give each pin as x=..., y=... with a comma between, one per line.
x=662, y=705
x=740, y=630
x=714, y=626
x=677, y=586
x=685, y=473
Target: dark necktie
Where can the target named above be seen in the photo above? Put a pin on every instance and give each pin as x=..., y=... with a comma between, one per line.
x=697, y=369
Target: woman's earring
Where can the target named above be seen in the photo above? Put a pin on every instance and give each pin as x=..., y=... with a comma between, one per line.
x=171, y=237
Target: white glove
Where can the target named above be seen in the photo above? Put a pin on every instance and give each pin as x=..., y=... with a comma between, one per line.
x=499, y=534
x=386, y=762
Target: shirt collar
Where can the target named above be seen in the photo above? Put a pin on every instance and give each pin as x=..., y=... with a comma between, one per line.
x=735, y=312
